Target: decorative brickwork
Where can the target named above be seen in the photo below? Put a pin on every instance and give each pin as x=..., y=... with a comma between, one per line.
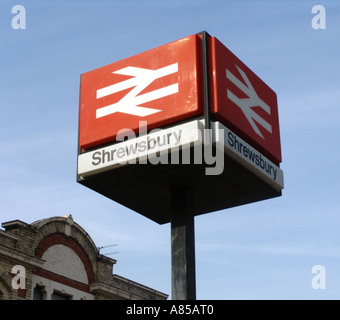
x=62, y=239
x=59, y=259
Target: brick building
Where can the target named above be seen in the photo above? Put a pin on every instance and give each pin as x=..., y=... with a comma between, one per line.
x=54, y=259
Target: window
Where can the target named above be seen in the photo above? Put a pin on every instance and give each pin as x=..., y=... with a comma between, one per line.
x=38, y=293
x=59, y=296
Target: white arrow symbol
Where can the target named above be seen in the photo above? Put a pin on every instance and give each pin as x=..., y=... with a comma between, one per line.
x=129, y=104
x=246, y=104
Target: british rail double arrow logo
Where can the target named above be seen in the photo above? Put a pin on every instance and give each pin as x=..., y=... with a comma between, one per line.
x=246, y=104
x=130, y=103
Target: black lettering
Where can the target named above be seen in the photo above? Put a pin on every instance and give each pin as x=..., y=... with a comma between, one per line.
x=163, y=143
x=142, y=146
x=97, y=158
x=120, y=153
x=275, y=172
x=178, y=138
x=112, y=154
x=240, y=147
x=169, y=135
x=153, y=143
x=261, y=163
x=267, y=166
x=237, y=144
x=245, y=151
x=230, y=139
x=257, y=160
x=251, y=155
x=132, y=149
x=105, y=154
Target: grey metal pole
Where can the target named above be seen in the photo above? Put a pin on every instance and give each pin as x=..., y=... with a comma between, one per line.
x=182, y=246
x=182, y=220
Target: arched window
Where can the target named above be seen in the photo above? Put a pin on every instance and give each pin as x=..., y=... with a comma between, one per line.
x=39, y=293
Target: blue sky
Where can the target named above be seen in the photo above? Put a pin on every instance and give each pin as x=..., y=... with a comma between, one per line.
x=264, y=250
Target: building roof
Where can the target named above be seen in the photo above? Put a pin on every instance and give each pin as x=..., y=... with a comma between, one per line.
x=60, y=250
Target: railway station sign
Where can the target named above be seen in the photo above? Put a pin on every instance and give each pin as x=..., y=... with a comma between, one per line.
x=243, y=102
x=160, y=86
x=139, y=114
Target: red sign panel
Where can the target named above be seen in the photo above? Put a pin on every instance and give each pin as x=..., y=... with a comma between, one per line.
x=243, y=102
x=159, y=86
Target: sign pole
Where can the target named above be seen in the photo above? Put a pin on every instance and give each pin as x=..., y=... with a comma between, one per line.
x=182, y=216
x=182, y=245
